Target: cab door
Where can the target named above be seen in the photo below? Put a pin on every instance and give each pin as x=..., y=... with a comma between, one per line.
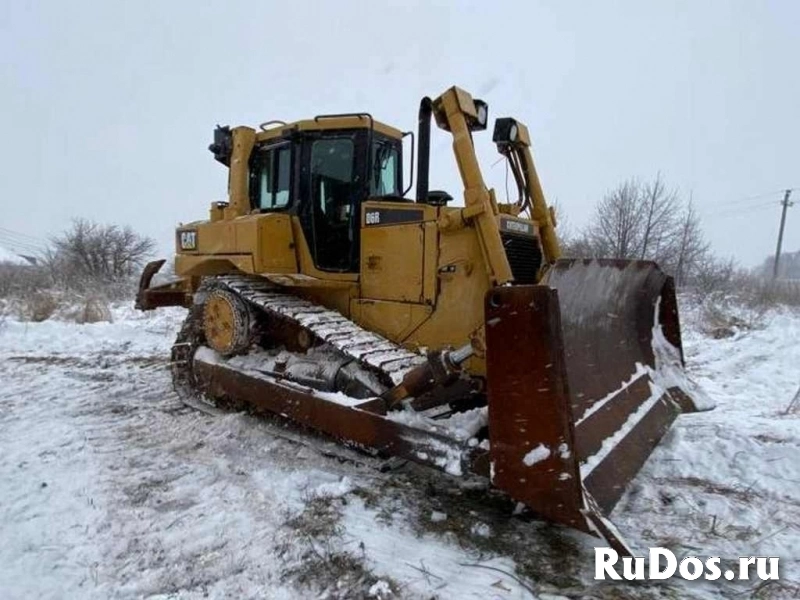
x=333, y=189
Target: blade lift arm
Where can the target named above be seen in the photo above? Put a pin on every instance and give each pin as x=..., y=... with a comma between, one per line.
x=456, y=111
x=514, y=142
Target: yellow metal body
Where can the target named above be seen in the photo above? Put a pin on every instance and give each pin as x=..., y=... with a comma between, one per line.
x=420, y=283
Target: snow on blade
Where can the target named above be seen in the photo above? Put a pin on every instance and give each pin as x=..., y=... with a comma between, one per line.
x=613, y=440
x=538, y=454
x=669, y=372
x=640, y=370
x=460, y=426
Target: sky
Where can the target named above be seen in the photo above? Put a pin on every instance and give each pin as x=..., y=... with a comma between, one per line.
x=107, y=108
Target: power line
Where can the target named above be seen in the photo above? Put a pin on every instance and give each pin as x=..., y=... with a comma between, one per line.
x=22, y=236
x=21, y=243
x=11, y=243
x=749, y=198
x=745, y=209
x=22, y=250
x=5, y=236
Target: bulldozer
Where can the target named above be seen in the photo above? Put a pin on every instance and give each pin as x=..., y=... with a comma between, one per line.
x=455, y=336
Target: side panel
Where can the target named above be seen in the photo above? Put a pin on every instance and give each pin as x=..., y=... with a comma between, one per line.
x=430, y=259
x=254, y=244
x=276, y=251
x=391, y=262
x=218, y=237
x=461, y=282
x=187, y=265
x=393, y=250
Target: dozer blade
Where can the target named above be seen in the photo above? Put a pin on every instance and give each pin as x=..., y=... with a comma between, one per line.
x=150, y=298
x=577, y=399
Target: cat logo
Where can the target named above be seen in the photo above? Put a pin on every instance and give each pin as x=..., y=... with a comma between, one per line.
x=188, y=240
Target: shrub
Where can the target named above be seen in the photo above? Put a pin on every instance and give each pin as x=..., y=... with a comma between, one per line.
x=40, y=307
x=86, y=267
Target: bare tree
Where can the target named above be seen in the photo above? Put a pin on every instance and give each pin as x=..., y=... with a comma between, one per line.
x=646, y=222
x=616, y=228
x=661, y=208
x=692, y=247
x=712, y=274
x=89, y=253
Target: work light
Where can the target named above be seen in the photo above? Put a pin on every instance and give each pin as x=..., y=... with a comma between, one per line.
x=482, y=119
x=506, y=131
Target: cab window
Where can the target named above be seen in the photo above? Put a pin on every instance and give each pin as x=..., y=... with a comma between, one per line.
x=270, y=178
x=385, y=180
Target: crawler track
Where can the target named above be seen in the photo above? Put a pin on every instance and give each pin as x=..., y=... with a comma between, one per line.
x=375, y=353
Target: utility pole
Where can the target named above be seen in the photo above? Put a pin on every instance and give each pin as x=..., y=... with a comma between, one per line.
x=786, y=204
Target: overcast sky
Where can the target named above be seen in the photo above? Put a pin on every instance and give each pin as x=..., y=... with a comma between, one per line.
x=107, y=108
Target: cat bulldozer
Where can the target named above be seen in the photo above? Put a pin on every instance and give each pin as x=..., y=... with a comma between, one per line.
x=450, y=335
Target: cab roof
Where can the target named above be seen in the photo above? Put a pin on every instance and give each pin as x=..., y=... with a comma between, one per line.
x=275, y=129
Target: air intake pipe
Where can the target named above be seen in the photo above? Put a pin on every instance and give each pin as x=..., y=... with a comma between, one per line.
x=424, y=148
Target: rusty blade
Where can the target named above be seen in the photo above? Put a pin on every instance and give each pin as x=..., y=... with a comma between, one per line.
x=607, y=314
x=148, y=272
x=531, y=429
x=532, y=447
x=574, y=411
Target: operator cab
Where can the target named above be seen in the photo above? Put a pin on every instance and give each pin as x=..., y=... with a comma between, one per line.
x=322, y=170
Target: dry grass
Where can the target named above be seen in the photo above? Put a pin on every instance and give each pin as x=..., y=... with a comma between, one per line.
x=62, y=306
x=28, y=293
x=765, y=293
x=40, y=307
x=94, y=310
x=35, y=293
x=316, y=558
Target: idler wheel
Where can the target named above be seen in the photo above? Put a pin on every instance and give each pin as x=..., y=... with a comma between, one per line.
x=226, y=323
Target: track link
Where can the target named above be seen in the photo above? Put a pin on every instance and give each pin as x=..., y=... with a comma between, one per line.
x=371, y=350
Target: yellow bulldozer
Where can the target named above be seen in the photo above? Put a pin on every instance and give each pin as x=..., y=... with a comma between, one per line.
x=453, y=336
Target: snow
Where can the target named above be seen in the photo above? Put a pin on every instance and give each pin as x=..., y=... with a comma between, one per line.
x=669, y=372
x=110, y=487
x=729, y=478
x=380, y=589
x=256, y=364
x=7, y=256
x=427, y=565
x=538, y=454
x=481, y=529
x=461, y=426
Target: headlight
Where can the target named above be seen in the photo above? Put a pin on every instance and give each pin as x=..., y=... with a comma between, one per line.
x=482, y=118
x=506, y=131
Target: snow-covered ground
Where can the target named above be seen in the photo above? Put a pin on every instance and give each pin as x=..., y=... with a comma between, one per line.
x=110, y=487
x=7, y=256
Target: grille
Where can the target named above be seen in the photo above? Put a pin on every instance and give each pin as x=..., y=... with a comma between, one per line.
x=524, y=256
